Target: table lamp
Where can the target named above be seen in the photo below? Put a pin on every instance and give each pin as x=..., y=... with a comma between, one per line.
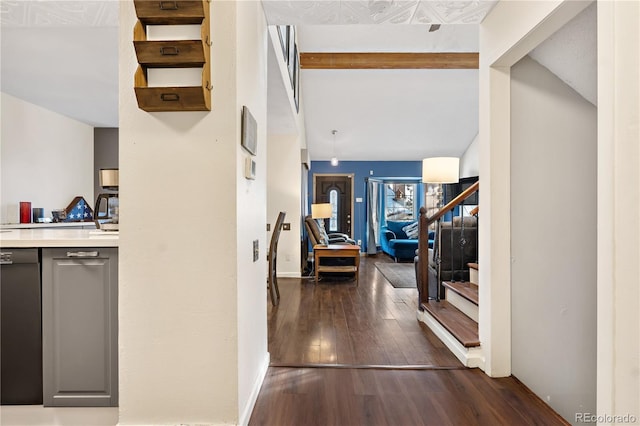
x=321, y=211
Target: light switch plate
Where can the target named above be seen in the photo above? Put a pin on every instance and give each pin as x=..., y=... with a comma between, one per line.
x=286, y=227
x=256, y=250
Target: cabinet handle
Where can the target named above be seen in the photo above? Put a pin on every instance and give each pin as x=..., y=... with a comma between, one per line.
x=83, y=254
x=169, y=50
x=5, y=258
x=170, y=5
x=171, y=97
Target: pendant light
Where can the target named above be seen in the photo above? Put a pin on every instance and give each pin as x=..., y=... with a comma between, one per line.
x=334, y=159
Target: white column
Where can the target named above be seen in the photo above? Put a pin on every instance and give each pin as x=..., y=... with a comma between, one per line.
x=618, y=209
x=192, y=303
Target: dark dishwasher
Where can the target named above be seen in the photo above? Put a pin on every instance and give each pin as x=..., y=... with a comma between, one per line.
x=21, y=327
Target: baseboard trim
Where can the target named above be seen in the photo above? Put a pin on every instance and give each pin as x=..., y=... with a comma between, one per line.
x=245, y=416
x=289, y=275
x=469, y=357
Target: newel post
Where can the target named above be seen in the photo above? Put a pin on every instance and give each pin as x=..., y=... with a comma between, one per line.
x=423, y=259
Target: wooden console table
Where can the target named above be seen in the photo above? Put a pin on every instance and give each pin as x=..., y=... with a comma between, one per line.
x=337, y=250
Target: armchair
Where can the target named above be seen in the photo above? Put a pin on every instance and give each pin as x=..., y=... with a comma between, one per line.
x=318, y=235
x=458, y=245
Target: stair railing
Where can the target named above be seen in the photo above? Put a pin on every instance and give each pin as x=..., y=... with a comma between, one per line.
x=423, y=242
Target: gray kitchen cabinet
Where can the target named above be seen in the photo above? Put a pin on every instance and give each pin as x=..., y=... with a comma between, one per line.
x=80, y=326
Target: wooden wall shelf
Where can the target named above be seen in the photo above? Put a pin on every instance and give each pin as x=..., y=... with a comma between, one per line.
x=172, y=54
x=155, y=12
x=155, y=99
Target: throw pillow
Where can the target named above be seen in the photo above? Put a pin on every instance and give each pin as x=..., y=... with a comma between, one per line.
x=411, y=230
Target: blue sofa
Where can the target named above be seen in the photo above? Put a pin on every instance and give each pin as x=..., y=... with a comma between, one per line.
x=394, y=241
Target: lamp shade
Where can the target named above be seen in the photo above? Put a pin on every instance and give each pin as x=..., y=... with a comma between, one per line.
x=321, y=211
x=440, y=169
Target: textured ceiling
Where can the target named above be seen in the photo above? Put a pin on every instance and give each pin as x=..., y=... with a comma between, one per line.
x=303, y=12
x=78, y=13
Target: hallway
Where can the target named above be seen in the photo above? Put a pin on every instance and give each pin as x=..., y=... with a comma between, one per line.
x=347, y=355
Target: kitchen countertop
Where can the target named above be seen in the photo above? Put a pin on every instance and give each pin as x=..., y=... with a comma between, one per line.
x=48, y=225
x=22, y=238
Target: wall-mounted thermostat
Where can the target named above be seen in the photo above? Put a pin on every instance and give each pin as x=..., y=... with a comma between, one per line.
x=249, y=168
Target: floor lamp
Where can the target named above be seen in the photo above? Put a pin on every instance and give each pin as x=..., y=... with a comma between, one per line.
x=440, y=170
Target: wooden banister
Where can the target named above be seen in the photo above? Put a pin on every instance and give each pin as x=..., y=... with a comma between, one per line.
x=423, y=240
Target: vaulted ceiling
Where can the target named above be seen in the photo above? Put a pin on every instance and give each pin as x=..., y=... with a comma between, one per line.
x=49, y=58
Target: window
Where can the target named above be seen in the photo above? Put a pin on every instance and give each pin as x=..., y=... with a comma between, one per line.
x=400, y=201
x=333, y=220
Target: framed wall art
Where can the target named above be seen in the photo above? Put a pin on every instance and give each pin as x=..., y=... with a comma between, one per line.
x=249, y=138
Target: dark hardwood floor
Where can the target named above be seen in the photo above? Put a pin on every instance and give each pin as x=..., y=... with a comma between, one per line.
x=352, y=355
x=337, y=322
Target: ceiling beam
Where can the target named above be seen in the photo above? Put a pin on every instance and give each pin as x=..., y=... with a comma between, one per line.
x=388, y=60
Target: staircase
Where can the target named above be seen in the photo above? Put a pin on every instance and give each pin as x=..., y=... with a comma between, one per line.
x=454, y=319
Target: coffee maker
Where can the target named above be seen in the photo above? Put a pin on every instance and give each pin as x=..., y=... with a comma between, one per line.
x=107, y=208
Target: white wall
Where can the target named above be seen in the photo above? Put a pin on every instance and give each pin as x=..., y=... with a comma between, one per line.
x=618, y=208
x=470, y=160
x=283, y=186
x=251, y=205
x=553, y=245
x=192, y=302
x=46, y=158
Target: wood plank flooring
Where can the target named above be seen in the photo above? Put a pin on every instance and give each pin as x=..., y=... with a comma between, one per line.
x=340, y=353
x=350, y=397
x=337, y=322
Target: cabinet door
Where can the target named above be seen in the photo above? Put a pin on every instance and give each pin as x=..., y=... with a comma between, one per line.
x=80, y=327
x=20, y=327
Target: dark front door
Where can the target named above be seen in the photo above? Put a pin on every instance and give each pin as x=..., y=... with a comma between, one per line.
x=336, y=190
